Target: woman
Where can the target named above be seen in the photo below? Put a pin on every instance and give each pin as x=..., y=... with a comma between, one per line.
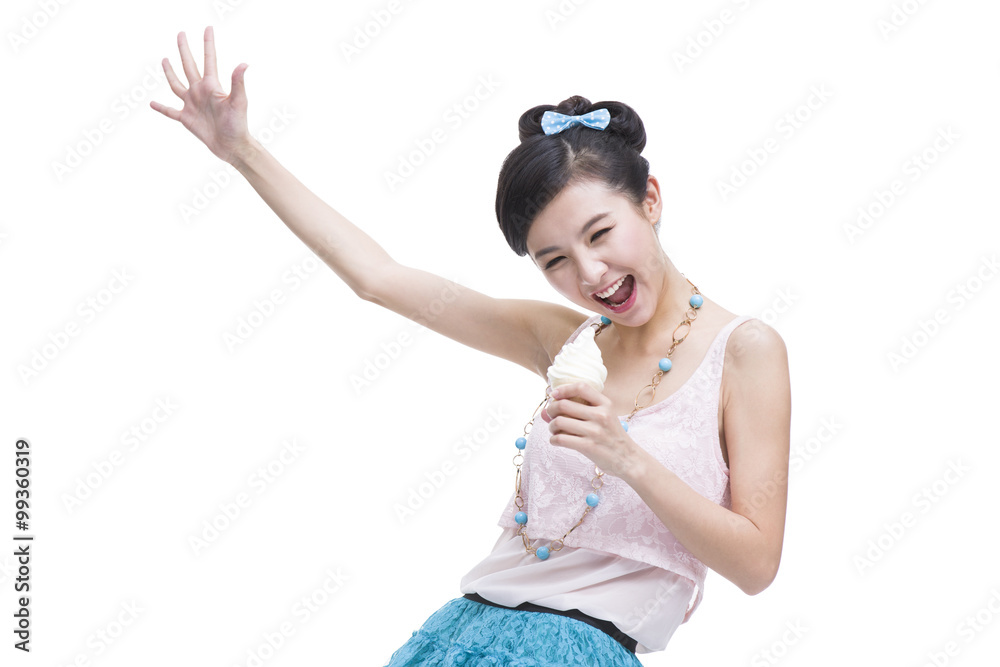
x=628, y=494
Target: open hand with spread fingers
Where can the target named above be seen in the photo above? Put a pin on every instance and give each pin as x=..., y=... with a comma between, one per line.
x=218, y=119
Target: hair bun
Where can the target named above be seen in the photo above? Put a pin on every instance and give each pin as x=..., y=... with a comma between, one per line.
x=541, y=166
x=625, y=122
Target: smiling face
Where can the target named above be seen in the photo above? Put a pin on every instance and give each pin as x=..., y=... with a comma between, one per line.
x=589, y=237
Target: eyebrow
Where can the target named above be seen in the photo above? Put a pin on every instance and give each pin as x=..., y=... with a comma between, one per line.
x=590, y=223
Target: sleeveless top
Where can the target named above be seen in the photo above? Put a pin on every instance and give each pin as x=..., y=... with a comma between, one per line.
x=645, y=602
x=680, y=431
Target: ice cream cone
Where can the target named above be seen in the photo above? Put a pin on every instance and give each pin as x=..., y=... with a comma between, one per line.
x=579, y=361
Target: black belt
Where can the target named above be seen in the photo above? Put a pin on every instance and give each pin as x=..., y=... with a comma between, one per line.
x=604, y=626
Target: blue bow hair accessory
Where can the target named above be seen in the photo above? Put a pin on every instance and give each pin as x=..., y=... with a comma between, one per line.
x=554, y=122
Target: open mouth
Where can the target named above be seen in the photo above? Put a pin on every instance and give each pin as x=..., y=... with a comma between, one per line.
x=622, y=297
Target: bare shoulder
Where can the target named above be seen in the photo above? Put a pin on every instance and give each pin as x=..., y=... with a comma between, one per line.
x=755, y=369
x=554, y=324
x=755, y=342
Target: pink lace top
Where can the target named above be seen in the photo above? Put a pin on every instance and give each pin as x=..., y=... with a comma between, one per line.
x=681, y=431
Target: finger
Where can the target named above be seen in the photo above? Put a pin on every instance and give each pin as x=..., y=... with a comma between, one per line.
x=187, y=60
x=588, y=393
x=590, y=396
x=569, y=406
x=567, y=425
x=569, y=441
x=175, y=83
x=210, y=53
x=239, y=91
x=166, y=111
x=571, y=390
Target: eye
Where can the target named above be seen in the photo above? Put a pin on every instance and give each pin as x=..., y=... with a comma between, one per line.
x=592, y=239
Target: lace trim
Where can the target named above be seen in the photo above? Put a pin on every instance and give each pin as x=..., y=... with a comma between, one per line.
x=555, y=480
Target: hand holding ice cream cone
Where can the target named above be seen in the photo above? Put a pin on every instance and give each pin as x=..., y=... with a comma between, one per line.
x=579, y=361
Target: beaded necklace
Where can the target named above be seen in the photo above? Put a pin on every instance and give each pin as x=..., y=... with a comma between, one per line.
x=596, y=483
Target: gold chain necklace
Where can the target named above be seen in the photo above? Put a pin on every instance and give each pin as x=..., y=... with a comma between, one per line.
x=520, y=516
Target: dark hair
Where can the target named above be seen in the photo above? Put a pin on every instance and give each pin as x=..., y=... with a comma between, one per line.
x=542, y=165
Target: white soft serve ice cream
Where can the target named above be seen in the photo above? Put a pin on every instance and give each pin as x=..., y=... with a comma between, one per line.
x=579, y=361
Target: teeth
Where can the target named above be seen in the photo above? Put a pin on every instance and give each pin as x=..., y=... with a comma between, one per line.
x=611, y=290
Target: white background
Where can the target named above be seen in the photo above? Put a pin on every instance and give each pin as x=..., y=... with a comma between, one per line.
x=777, y=244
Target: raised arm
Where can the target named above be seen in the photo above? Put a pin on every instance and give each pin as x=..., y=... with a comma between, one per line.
x=526, y=332
x=350, y=252
x=220, y=121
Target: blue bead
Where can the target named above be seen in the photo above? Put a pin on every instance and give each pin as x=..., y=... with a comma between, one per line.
x=542, y=552
x=521, y=518
x=605, y=321
x=696, y=300
x=625, y=426
x=665, y=364
x=593, y=499
x=520, y=443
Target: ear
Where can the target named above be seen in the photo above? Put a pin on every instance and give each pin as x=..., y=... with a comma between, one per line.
x=653, y=204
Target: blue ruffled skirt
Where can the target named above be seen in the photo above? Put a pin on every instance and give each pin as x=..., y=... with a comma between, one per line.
x=465, y=632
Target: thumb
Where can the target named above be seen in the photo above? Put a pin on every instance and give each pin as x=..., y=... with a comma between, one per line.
x=545, y=415
x=239, y=91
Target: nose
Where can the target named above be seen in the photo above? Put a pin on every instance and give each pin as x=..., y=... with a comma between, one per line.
x=592, y=272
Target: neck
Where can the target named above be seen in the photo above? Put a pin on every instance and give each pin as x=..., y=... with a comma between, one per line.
x=655, y=336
